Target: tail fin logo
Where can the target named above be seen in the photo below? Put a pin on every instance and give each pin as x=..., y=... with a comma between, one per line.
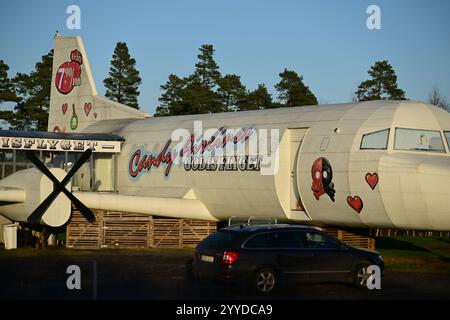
x=68, y=75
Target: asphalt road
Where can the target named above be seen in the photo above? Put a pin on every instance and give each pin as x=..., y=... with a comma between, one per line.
x=140, y=275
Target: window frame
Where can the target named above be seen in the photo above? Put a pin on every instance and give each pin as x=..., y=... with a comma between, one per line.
x=374, y=132
x=418, y=150
x=447, y=132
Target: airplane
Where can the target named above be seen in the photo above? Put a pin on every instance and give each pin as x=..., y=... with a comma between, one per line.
x=375, y=164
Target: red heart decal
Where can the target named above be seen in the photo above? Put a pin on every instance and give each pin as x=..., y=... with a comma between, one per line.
x=64, y=108
x=372, y=179
x=356, y=203
x=87, y=108
x=95, y=115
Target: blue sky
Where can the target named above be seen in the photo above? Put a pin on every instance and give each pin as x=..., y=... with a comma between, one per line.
x=325, y=41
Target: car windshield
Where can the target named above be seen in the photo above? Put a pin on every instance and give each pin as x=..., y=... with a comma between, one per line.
x=418, y=140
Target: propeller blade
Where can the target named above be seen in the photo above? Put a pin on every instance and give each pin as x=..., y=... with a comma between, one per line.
x=86, y=155
x=36, y=215
x=42, y=167
x=85, y=211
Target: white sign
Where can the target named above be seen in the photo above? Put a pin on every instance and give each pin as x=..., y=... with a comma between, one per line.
x=19, y=143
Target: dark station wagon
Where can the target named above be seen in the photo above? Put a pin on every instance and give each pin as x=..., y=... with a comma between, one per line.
x=266, y=256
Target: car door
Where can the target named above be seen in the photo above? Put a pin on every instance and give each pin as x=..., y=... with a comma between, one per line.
x=331, y=261
x=294, y=259
x=282, y=250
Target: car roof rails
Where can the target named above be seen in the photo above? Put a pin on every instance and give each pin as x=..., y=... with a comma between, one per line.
x=251, y=221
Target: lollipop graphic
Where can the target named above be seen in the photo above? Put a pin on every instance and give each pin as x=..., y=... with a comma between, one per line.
x=73, y=119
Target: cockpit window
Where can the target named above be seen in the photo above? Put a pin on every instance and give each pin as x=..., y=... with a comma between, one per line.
x=418, y=140
x=375, y=141
x=447, y=136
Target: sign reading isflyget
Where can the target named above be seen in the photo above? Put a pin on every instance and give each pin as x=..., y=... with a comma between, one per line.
x=45, y=144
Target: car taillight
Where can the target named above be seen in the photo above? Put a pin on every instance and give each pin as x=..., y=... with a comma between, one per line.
x=229, y=257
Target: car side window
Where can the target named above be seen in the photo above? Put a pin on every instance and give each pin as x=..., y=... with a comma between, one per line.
x=277, y=240
x=259, y=241
x=317, y=240
x=289, y=240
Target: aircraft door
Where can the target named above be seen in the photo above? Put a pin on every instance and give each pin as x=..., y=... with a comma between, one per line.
x=296, y=136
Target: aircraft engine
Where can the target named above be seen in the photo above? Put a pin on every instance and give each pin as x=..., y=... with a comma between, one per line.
x=23, y=191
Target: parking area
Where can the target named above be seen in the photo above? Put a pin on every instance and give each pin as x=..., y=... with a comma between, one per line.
x=161, y=274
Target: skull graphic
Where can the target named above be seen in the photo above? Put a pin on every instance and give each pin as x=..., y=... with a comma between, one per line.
x=322, y=175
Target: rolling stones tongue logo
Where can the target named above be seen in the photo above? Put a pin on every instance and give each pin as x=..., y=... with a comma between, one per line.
x=322, y=175
x=68, y=75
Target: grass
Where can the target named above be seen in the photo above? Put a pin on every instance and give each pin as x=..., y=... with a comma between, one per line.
x=415, y=254
x=63, y=252
x=401, y=254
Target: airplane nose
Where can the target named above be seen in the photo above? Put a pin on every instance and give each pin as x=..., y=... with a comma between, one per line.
x=434, y=178
x=416, y=190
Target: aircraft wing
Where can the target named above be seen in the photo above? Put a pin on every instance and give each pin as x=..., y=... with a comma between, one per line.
x=11, y=195
x=166, y=207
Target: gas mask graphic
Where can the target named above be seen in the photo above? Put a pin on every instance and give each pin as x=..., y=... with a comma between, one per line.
x=322, y=175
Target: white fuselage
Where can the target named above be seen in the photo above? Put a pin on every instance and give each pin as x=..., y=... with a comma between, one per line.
x=369, y=188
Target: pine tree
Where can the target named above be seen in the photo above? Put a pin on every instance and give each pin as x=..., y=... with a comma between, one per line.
x=231, y=91
x=206, y=69
x=292, y=90
x=196, y=93
x=198, y=98
x=382, y=85
x=257, y=99
x=7, y=93
x=123, y=81
x=33, y=92
x=6, y=86
x=172, y=97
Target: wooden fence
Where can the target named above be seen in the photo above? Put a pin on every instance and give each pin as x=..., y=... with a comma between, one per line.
x=409, y=233
x=128, y=230
x=359, y=238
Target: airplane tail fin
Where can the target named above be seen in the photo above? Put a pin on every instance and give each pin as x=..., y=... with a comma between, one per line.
x=74, y=101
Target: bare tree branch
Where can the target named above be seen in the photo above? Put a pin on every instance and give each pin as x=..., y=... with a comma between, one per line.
x=437, y=99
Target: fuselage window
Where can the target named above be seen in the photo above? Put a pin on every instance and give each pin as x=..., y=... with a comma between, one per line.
x=447, y=136
x=375, y=140
x=418, y=140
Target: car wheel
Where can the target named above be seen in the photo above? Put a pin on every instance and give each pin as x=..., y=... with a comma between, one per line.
x=264, y=281
x=360, y=275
